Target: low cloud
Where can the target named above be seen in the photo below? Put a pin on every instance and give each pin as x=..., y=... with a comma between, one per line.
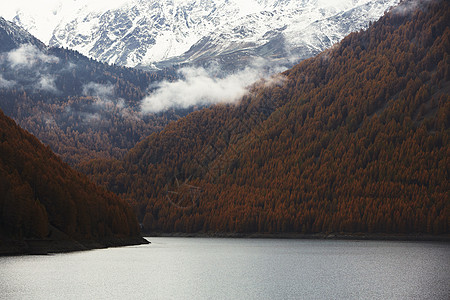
x=28, y=56
x=200, y=86
x=105, y=100
x=6, y=84
x=409, y=6
x=47, y=83
x=91, y=117
x=32, y=66
x=99, y=90
x=103, y=94
x=104, y=97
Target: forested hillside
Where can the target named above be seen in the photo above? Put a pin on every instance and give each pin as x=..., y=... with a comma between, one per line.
x=42, y=198
x=81, y=108
x=353, y=140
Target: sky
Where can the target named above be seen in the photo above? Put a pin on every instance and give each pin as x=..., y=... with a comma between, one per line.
x=47, y=14
x=9, y=7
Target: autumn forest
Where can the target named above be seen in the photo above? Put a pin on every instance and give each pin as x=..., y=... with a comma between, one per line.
x=354, y=140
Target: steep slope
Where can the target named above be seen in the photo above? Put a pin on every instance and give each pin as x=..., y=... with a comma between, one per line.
x=82, y=108
x=281, y=33
x=145, y=33
x=353, y=140
x=12, y=36
x=46, y=206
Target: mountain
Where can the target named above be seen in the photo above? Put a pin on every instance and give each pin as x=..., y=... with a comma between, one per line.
x=280, y=32
x=80, y=107
x=355, y=139
x=12, y=36
x=158, y=33
x=45, y=206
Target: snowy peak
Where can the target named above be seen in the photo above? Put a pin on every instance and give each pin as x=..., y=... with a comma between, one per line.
x=282, y=32
x=12, y=36
x=150, y=33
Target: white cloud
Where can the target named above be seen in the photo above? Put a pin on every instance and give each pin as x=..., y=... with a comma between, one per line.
x=6, y=84
x=408, y=7
x=33, y=64
x=106, y=101
x=104, y=95
x=98, y=90
x=199, y=86
x=47, y=83
x=91, y=118
x=28, y=56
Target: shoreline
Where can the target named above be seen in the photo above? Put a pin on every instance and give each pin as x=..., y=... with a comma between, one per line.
x=299, y=236
x=14, y=247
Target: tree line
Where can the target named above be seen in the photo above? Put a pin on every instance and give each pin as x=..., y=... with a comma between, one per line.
x=352, y=140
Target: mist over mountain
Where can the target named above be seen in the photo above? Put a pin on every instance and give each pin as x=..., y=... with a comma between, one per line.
x=80, y=107
x=45, y=206
x=13, y=36
x=355, y=139
x=155, y=34
x=226, y=45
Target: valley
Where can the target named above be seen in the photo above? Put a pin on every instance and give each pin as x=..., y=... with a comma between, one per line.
x=157, y=122
x=352, y=140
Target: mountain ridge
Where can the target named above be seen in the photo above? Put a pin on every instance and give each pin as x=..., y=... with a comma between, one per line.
x=12, y=36
x=66, y=99
x=162, y=33
x=45, y=206
x=352, y=140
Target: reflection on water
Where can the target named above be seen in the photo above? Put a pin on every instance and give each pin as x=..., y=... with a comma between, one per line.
x=195, y=268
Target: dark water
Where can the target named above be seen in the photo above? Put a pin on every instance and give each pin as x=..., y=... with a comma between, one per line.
x=192, y=268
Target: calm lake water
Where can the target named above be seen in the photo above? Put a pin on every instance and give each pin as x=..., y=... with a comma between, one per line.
x=196, y=268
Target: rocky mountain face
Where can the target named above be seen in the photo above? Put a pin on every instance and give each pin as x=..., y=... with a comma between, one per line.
x=158, y=33
x=73, y=103
x=12, y=36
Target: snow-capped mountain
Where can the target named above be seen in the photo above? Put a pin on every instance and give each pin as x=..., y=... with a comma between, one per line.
x=12, y=36
x=148, y=33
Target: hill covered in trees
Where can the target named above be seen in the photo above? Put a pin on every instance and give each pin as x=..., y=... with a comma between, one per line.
x=81, y=108
x=352, y=140
x=47, y=206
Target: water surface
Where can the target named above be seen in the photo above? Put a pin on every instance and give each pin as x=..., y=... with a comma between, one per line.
x=199, y=268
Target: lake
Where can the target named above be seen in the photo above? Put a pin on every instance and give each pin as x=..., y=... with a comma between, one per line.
x=215, y=268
